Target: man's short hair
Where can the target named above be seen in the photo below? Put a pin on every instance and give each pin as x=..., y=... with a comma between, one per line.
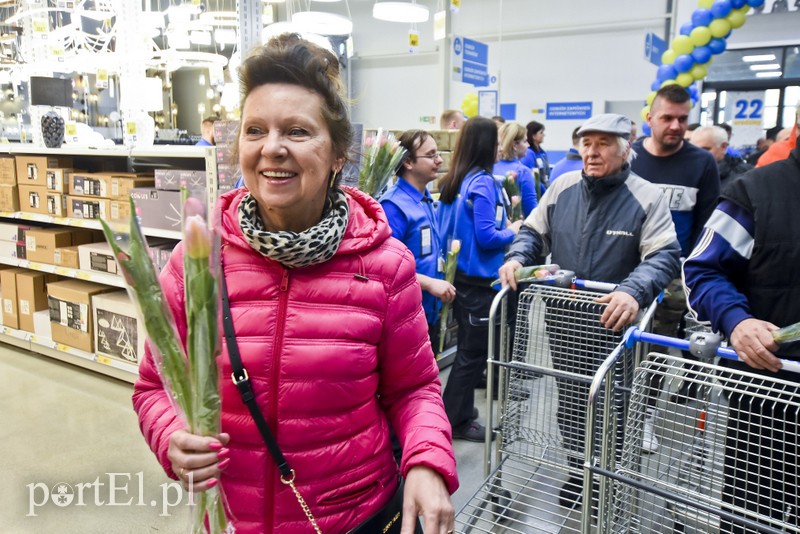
x=447, y=116
x=718, y=134
x=673, y=93
x=411, y=140
x=693, y=126
x=575, y=136
x=725, y=126
x=498, y=118
x=210, y=119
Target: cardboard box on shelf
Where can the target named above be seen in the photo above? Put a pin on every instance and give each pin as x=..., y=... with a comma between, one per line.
x=446, y=160
x=67, y=257
x=168, y=179
x=442, y=138
x=33, y=199
x=158, y=209
x=8, y=170
x=95, y=208
x=32, y=170
x=9, y=198
x=8, y=288
x=115, y=186
x=58, y=179
x=8, y=231
x=41, y=243
x=12, y=249
x=70, y=303
x=118, y=332
x=41, y=324
x=97, y=257
x=31, y=296
x=160, y=253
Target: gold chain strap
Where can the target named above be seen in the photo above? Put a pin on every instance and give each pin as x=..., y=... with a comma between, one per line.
x=290, y=482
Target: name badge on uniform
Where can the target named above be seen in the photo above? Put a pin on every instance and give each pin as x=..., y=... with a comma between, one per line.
x=539, y=162
x=500, y=215
x=425, y=241
x=440, y=263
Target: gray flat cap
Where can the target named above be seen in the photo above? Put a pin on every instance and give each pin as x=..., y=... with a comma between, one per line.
x=612, y=123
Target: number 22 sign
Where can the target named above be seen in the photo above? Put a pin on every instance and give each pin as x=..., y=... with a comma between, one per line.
x=745, y=113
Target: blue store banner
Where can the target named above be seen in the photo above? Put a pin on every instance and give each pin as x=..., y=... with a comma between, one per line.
x=470, y=60
x=568, y=111
x=654, y=48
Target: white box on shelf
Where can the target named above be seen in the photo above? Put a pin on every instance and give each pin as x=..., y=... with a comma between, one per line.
x=118, y=332
x=41, y=324
x=97, y=257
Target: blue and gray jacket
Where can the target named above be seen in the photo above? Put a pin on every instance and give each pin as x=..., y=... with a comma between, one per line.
x=615, y=229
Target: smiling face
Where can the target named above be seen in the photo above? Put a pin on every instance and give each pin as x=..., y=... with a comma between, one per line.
x=521, y=147
x=601, y=154
x=286, y=155
x=426, y=163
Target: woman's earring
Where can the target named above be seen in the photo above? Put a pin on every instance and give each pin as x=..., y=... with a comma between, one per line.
x=333, y=179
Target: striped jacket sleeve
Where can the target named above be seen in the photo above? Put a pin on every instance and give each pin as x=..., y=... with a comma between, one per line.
x=720, y=256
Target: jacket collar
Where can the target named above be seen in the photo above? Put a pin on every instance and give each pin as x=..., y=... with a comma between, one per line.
x=412, y=191
x=607, y=183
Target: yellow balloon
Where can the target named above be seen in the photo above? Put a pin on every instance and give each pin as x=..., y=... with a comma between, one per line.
x=651, y=97
x=668, y=57
x=705, y=4
x=719, y=27
x=645, y=112
x=469, y=105
x=700, y=36
x=682, y=45
x=699, y=72
x=736, y=19
x=684, y=79
x=669, y=82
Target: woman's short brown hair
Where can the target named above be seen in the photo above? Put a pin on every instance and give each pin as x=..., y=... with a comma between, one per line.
x=290, y=59
x=509, y=134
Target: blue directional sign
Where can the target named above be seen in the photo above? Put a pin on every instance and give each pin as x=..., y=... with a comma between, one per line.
x=654, y=48
x=470, y=60
x=568, y=110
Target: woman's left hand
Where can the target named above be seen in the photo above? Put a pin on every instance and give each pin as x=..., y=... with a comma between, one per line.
x=426, y=495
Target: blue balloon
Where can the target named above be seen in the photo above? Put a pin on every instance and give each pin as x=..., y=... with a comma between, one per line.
x=693, y=92
x=701, y=55
x=666, y=72
x=683, y=63
x=646, y=129
x=717, y=45
x=728, y=34
x=702, y=17
x=738, y=4
x=721, y=9
x=755, y=3
x=655, y=86
x=687, y=28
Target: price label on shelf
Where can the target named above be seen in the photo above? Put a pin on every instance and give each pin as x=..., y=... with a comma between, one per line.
x=101, y=79
x=70, y=129
x=60, y=347
x=63, y=271
x=130, y=127
x=83, y=275
x=104, y=360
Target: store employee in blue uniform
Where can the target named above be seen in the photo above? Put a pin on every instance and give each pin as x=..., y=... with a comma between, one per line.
x=410, y=211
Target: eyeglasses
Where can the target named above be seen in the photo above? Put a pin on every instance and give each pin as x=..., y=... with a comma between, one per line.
x=431, y=156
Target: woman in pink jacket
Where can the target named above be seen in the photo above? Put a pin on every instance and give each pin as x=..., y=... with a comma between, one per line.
x=328, y=320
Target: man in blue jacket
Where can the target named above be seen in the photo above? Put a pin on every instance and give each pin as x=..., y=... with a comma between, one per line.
x=607, y=224
x=410, y=211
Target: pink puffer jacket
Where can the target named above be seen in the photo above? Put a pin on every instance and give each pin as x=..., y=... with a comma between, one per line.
x=334, y=351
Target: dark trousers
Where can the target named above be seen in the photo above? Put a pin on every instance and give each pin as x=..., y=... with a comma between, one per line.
x=471, y=310
x=761, y=455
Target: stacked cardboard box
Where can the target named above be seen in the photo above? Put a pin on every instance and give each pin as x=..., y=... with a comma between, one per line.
x=70, y=304
x=118, y=331
x=103, y=195
x=12, y=240
x=34, y=174
x=158, y=209
x=42, y=244
x=228, y=173
x=31, y=296
x=9, y=194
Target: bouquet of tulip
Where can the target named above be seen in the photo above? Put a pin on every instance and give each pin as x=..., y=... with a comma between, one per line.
x=787, y=334
x=191, y=381
x=382, y=157
x=511, y=187
x=450, y=264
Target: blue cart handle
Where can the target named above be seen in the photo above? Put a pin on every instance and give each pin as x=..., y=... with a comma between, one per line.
x=704, y=345
x=568, y=280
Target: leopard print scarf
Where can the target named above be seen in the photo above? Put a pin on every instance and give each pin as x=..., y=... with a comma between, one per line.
x=318, y=244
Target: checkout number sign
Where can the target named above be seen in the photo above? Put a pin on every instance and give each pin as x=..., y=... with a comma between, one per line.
x=745, y=112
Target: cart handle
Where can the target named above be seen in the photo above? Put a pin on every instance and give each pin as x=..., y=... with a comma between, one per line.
x=704, y=345
x=568, y=280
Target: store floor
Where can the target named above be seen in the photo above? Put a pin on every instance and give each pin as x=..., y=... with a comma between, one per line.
x=69, y=436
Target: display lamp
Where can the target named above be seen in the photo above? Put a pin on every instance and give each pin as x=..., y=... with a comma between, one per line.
x=409, y=12
x=322, y=23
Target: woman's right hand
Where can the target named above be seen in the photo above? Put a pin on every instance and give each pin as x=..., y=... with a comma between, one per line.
x=516, y=225
x=506, y=274
x=198, y=460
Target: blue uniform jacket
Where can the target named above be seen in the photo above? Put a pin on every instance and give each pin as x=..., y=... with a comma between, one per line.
x=478, y=218
x=413, y=221
x=527, y=188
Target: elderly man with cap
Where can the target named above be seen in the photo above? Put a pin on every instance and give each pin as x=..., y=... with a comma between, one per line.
x=607, y=224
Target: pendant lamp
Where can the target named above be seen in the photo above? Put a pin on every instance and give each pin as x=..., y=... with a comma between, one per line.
x=409, y=12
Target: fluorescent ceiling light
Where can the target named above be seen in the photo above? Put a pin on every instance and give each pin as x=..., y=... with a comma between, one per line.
x=759, y=57
x=770, y=74
x=323, y=23
x=219, y=18
x=225, y=36
x=400, y=12
x=326, y=1
x=765, y=66
x=200, y=38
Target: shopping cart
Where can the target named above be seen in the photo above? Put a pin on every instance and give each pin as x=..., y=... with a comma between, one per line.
x=728, y=456
x=534, y=481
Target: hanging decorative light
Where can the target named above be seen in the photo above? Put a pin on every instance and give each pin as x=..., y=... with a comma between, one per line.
x=322, y=23
x=409, y=12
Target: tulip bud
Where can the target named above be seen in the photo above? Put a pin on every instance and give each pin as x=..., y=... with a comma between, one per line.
x=197, y=238
x=455, y=246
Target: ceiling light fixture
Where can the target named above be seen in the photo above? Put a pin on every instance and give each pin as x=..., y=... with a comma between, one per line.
x=770, y=74
x=322, y=23
x=759, y=57
x=765, y=66
x=408, y=12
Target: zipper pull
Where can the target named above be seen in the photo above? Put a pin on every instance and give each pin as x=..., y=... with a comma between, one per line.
x=285, y=280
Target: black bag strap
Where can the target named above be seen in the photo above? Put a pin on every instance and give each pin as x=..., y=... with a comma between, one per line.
x=242, y=381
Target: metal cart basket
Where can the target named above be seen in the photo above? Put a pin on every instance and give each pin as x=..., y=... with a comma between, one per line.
x=535, y=481
x=728, y=458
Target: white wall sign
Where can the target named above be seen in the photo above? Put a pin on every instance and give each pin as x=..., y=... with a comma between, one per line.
x=745, y=112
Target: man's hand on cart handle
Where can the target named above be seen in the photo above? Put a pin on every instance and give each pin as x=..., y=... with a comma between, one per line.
x=507, y=274
x=621, y=310
x=753, y=341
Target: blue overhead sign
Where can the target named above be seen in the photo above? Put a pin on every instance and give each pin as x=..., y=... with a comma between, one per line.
x=568, y=110
x=654, y=48
x=470, y=60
